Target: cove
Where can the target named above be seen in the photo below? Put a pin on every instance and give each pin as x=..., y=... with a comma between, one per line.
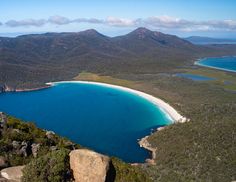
x=105, y=119
x=227, y=63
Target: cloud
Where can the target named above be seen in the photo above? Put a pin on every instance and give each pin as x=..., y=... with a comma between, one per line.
x=113, y=21
x=27, y=22
x=157, y=22
x=88, y=20
x=0, y=23
x=59, y=20
x=166, y=22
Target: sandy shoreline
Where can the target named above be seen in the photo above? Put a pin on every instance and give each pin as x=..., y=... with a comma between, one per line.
x=9, y=89
x=213, y=67
x=170, y=111
x=197, y=62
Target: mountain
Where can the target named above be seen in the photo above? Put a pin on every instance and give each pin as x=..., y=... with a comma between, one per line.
x=144, y=41
x=209, y=40
x=146, y=37
x=31, y=60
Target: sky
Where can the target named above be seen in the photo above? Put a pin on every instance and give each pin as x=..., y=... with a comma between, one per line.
x=212, y=18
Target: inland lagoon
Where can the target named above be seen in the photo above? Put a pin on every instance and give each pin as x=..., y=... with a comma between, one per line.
x=106, y=119
x=194, y=77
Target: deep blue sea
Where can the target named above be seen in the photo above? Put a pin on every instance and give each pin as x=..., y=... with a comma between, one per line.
x=104, y=119
x=222, y=63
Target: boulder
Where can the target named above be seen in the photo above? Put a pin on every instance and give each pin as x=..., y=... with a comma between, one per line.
x=13, y=173
x=3, y=179
x=89, y=166
x=35, y=148
x=16, y=145
x=50, y=134
x=3, y=162
x=3, y=121
x=25, y=149
x=53, y=148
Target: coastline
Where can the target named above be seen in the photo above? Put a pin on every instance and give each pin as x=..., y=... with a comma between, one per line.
x=32, y=89
x=213, y=67
x=169, y=110
x=8, y=89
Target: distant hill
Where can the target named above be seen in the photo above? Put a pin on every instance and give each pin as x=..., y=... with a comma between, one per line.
x=31, y=60
x=208, y=40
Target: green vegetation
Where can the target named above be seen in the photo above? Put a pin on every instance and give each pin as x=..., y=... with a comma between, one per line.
x=44, y=153
x=126, y=172
x=62, y=56
x=101, y=78
x=199, y=150
x=51, y=167
x=223, y=79
x=52, y=160
x=202, y=149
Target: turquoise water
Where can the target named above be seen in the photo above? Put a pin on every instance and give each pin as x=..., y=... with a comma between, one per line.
x=104, y=119
x=222, y=63
x=194, y=77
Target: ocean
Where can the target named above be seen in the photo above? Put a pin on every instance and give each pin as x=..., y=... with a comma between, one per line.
x=104, y=119
x=221, y=63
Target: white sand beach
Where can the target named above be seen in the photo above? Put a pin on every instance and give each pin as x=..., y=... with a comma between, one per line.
x=170, y=111
x=167, y=109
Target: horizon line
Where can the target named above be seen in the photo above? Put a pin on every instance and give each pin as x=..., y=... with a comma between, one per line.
x=18, y=34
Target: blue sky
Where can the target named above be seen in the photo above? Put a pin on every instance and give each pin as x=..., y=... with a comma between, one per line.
x=215, y=18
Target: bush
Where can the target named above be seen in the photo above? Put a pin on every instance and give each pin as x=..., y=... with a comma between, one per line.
x=125, y=172
x=53, y=167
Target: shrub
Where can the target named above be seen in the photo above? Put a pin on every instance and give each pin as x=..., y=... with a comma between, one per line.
x=125, y=172
x=53, y=167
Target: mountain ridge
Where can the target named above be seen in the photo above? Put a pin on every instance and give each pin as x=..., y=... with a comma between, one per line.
x=31, y=60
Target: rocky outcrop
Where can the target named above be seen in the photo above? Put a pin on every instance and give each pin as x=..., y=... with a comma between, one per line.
x=145, y=144
x=3, y=121
x=13, y=173
x=6, y=88
x=35, y=148
x=89, y=166
x=3, y=162
x=50, y=134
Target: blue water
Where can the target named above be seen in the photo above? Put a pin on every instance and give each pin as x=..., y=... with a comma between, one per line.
x=194, y=77
x=104, y=119
x=222, y=63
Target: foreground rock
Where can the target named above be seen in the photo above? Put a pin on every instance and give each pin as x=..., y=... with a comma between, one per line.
x=89, y=166
x=3, y=162
x=13, y=173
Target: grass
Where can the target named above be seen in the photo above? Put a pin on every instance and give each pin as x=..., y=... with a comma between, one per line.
x=86, y=76
x=200, y=150
x=220, y=76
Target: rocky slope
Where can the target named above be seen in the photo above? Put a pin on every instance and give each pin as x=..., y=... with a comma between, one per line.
x=49, y=157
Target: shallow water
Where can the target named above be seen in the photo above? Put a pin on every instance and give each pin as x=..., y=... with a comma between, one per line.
x=222, y=63
x=104, y=119
x=194, y=77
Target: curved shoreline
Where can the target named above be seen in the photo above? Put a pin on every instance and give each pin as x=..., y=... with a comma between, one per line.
x=9, y=89
x=213, y=67
x=170, y=112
